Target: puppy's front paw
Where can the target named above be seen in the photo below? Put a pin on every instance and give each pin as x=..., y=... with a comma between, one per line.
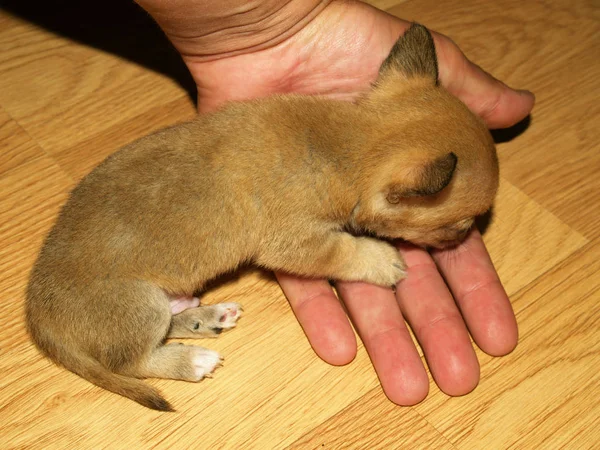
x=379, y=262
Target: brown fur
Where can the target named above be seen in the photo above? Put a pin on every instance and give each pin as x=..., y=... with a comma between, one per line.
x=287, y=183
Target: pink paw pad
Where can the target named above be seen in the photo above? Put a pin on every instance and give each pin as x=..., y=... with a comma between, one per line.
x=231, y=312
x=180, y=304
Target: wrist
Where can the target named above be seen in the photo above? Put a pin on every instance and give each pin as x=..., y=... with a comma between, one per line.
x=204, y=31
x=315, y=59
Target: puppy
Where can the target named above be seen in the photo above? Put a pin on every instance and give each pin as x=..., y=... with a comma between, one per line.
x=299, y=184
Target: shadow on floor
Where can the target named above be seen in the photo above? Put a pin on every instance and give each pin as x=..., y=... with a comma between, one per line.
x=120, y=27
x=508, y=134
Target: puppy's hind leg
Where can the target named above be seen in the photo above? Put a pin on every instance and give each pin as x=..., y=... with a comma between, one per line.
x=106, y=334
x=179, y=362
x=204, y=321
x=156, y=360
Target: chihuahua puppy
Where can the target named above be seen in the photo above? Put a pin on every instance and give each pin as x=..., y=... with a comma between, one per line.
x=299, y=184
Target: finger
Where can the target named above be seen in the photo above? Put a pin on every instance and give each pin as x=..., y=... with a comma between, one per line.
x=322, y=318
x=499, y=105
x=480, y=295
x=436, y=321
x=377, y=318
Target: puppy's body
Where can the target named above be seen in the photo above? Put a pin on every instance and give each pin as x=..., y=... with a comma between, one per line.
x=279, y=183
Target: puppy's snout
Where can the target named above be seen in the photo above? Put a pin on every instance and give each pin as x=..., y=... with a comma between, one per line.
x=462, y=234
x=462, y=228
x=451, y=236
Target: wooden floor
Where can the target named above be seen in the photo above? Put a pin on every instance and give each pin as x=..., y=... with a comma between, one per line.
x=70, y=94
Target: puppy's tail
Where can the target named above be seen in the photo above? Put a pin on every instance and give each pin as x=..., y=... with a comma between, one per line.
x=133, y=388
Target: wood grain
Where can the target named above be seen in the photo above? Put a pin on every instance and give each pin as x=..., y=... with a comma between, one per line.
x=519, y=228
x=67, y=103
x=373, y=422
x=68, y=93
x=30, y=196
x=16, y=147
x=547, y=392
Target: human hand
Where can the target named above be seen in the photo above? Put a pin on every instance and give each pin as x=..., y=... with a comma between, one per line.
x=338, y=53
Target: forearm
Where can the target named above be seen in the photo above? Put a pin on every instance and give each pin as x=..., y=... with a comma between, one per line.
x=205, y=29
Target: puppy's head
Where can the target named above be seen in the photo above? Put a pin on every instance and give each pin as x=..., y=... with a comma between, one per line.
x=432, y=166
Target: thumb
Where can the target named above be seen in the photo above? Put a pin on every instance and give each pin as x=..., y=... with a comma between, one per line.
x=499, y=105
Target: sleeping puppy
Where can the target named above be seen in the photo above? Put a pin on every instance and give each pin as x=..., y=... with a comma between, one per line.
x=298, y=184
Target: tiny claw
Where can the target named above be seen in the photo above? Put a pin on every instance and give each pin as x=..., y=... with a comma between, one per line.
x=208, y=375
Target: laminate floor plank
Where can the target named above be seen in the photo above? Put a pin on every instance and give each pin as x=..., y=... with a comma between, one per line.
x=67, y=102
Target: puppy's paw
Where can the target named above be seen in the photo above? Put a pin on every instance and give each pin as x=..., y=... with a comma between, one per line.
x=205, y=361
x=205, y=321
x=379, y=262
x=228, y=314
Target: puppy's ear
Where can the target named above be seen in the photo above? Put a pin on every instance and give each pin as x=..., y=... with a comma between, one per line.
x=413, y=55
x=422, y=178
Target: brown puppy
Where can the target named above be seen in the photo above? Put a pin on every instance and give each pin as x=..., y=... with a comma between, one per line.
x=289, y=183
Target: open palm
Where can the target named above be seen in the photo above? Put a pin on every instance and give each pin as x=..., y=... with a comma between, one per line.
x=338, y=54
